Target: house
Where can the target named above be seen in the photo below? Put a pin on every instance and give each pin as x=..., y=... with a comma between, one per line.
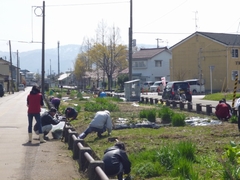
x=151, y=64
x=213, y=58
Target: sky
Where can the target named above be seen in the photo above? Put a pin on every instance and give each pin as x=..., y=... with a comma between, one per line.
x=72, y=21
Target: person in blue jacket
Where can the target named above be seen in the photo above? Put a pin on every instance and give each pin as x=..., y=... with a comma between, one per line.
x=116, y=161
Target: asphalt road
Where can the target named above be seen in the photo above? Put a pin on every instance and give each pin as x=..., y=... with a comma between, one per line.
x=20, y=160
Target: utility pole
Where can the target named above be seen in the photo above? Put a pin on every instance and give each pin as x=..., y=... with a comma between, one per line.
x=11, y=68
x=58, y=60
x=43, y=47
x=50, y=74
x=17, y=71
x=130, y=43
x=158, y=42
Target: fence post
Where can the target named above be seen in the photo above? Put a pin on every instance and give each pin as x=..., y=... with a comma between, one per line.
x=156, y=101
x=174, y=104
x=151, y=100
x=189, y=106
x=92, y=174
x=181, y=105
x=82, y=161
x=168, y=103
x=66, y=128
x=198, y=108
x=70, y=138
x=208, y=109
x=76, y=148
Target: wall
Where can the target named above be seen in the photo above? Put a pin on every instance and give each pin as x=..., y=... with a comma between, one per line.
x=199, y=51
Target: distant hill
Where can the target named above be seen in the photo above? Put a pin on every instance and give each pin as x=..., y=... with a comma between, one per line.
x=32, y=60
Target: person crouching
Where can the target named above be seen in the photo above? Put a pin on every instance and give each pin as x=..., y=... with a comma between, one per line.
x=47, y=120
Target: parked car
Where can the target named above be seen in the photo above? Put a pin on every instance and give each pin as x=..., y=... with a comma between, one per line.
x=157, y=87
x=1, y=90
x=172, y=87
x=21, y=87
x=195, y=86
x=146, y=85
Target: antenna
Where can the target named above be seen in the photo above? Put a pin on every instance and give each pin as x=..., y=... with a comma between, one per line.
x=196, y=19
x=158, y=42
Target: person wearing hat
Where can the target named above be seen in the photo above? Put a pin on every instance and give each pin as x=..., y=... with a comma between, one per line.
x=116, y=161
x=47, y=120
x=55, y=102
x=100, y=123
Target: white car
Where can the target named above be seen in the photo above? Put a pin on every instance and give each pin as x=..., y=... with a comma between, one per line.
x=21, y=87
x=157, y=87
x=195, y=86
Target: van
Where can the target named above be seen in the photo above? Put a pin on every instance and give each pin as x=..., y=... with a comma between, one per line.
x=21, y=87
x=171, y=90
x=195, y=86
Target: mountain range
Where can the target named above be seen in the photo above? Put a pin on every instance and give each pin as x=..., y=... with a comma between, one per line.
x=32, y=60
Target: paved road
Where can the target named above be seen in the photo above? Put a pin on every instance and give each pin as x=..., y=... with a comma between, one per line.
x=20, y=160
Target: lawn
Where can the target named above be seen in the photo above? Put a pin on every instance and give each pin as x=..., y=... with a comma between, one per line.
x=156, y=153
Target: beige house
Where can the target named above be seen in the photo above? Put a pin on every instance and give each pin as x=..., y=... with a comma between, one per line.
x=4, y=73
x=213, y=58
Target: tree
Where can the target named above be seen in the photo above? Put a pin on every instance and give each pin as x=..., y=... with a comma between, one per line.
x=107, y=54
x=79, y=68
x=122, y=79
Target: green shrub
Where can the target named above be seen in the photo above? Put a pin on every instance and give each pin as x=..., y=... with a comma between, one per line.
x=233, y=119
x=178, y=119
x=150, y=114
x=147, y=169
x=186, y=149
x=165, y=113
x=100, y=104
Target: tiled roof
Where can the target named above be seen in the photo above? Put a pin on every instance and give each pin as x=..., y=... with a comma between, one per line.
x=147, y=53
x=226, y=39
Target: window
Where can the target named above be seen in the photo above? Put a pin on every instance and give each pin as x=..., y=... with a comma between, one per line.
x=139, y=64
x=158, y=63
x=234, y=53
x=234, y=73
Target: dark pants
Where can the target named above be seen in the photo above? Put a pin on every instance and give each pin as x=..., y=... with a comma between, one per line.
x=30, y=120
x=94, y=129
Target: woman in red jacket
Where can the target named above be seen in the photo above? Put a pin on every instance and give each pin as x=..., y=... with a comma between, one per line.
x=34, y=103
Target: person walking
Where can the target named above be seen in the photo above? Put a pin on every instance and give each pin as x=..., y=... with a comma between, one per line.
x=100, y=123
x=116, y=161
x=47, y=120
x=34, y=104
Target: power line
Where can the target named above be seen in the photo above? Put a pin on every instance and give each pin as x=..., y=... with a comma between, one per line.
x=164, y=14
x=87, y=4
x=159, y=33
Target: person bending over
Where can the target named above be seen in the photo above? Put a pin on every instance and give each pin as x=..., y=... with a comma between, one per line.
x=116, y=161
x=71, y=113
x=100, y=123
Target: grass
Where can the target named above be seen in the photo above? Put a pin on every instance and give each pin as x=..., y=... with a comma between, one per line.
x=169, y=152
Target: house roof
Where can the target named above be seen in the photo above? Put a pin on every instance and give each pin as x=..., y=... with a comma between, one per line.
x=226, y=39
x=148, y=53
x=63, y=76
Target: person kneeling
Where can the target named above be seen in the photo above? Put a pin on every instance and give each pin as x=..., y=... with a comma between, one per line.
x=100, y=123
x=47, y=120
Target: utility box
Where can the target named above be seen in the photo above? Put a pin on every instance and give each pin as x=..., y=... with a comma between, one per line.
x=132, y=90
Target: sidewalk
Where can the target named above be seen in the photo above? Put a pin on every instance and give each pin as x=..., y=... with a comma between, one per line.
x=21, y=160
